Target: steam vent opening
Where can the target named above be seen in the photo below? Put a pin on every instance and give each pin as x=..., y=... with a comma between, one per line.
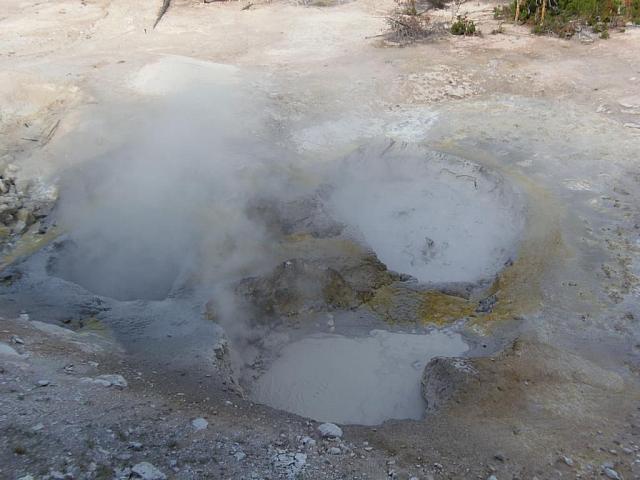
x=114, y=274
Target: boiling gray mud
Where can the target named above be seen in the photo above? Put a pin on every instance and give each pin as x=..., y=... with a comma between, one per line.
x=255, y=244
x=363, y=380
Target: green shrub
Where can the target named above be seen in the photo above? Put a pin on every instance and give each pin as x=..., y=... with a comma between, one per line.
x=634, y=12
x=564, y=16
x=463, y=26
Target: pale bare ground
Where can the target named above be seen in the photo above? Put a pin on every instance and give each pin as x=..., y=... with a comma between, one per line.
x=555, y=115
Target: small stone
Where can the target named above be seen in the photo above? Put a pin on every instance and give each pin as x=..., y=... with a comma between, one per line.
x=26, y=477
x=17, y=340
x=567, y=460
x=499, y=456
x=55, y=475
x=98, y=381
x=239, y=455
x=43, y=383
x=199, y=423
x=308, y=442
x=334, y=451
x=414, y=478
x=112, y=380
x=611, y=473
x=37, y=427
x=137, y=446
x=117, y=381
x=147, y=471
x=632, y=125
x=7, y=350
x=492, y=477
x=330, y=430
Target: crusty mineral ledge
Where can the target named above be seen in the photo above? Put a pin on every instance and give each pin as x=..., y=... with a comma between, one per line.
x=527, y=376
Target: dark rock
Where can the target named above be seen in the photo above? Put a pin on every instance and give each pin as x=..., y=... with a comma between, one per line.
x=486, y=304
x=441, y=379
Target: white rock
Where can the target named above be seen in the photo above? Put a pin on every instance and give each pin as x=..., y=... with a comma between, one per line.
x=199, y=423
x=330, y=430
x=334, y=451
x=98, y=381
x=492, y=477
x=567, y=460
x=112, y=380
x=239, y=455
x=26, y=477
x=632, y=125
x=308, y=441
x=7, y=350
x=146, y=471
x=43, y=383
x=611, y=473
x=37, y=427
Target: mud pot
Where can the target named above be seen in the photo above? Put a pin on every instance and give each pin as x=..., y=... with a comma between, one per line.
x=291, y=269
x=265, y=218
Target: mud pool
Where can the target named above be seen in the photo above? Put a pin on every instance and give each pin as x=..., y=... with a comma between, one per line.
x=363, y=380
x=441, y=220
x=257, y=247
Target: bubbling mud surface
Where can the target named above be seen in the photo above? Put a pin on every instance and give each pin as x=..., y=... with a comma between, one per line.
x=436, y=218
x=362, y=380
